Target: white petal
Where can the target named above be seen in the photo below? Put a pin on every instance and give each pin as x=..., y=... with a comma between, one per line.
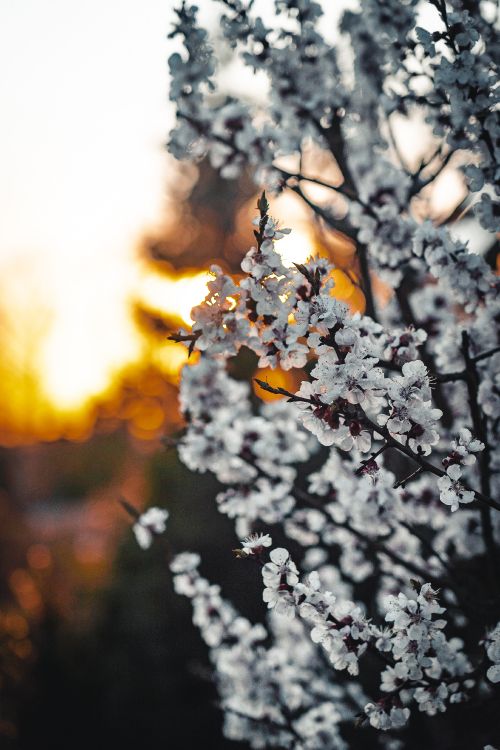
x=279, y=556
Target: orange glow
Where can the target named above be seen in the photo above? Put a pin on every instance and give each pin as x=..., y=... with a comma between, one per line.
x=56, y=396
x=22, y=649
x=356, y=301
x=344, y=287
x=55, y=364
x=174, y=295
x=15, y=625
x=288, y=379
x=39, y=557
x=74, y=343
x=70, y=337
x=26, y=592
x=348, y=290
x=78, y=197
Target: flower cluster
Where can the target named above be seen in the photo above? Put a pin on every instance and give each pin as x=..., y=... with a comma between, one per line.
x=365, y=388
x=427, y=668
x=492, y=645
x=374, y=441
x=467, y=275
x=464, y=74
x=452, y=491
x=253, y=454
x=272, y=686
x=149, y=524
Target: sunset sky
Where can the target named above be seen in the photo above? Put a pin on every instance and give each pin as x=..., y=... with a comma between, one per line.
x=85, y=116
x=84, y=119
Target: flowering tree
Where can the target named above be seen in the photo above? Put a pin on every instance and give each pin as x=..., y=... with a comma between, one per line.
x=380, y=471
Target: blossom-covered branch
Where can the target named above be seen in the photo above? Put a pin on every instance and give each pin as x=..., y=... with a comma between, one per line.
x=378, y=467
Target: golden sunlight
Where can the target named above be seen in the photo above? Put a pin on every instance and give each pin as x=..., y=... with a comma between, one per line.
x=83, y=179
x=174, y=295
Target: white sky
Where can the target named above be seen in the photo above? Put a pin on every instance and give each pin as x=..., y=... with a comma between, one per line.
x=83, y=94
x=84, y=115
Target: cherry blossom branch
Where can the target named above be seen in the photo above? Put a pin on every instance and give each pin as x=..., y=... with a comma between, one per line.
x=425, y=465
x=408, y=317
x=281, y=391
x=468, y=603
x=339, y=225
x=305, y=497
x=378, y=429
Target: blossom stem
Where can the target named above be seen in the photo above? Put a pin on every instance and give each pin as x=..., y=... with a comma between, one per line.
x=419, y=184
x=403, y=482
x=484, y=355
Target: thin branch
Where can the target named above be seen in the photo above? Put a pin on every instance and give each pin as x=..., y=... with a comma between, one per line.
x=485, y=355
x=340, y=225
x=481, y=431
x=403, y=482
x=280, y=391
x=425, y=465
x=451, y=377
x=343, y=190
x=384, y=432
x=378, y=547
x=418, y=184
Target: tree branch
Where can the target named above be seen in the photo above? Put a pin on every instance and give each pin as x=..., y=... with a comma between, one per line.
x=379, y=430
x=481, y=431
